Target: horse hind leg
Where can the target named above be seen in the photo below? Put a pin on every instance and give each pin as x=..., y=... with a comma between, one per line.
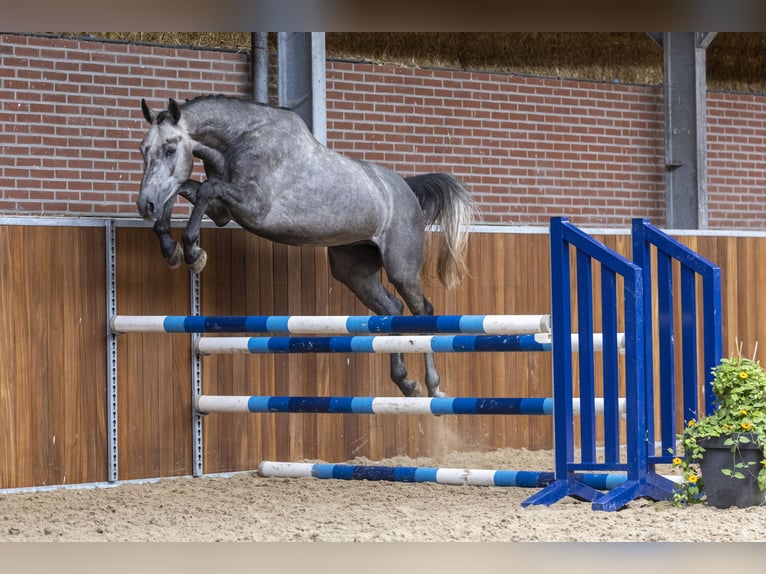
x=403, y=271
x=432, y=379
x=358, y=267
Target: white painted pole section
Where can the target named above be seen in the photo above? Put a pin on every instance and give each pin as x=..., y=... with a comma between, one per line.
x=516, y=324
x=598, y=341
x=285, y=469
x=218, y=345
x=222, y=404
x=598, y=405
x=138, y=324
x=326, y=325
x=461, y=476
x=401, y=405
x=403, y=344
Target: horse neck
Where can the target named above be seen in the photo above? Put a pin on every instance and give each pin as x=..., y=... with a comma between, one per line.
x=214, y=160
x=214, y=127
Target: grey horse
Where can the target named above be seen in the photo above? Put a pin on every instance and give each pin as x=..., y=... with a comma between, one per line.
x=268, y=173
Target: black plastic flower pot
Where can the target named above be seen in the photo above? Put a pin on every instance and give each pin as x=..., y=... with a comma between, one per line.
x=724, y=491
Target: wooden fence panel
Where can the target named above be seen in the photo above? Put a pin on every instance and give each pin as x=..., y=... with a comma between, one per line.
x=53, y=348
x=154, y=370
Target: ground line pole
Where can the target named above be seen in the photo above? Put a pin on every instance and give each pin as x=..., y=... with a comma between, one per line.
x=111, y=339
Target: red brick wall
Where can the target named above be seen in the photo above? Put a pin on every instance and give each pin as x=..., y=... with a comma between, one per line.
x=71, y=122
x=736, y=148
x=528, y=148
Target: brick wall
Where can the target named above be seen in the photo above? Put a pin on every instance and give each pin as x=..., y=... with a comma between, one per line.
x=70, y=117
x=528, y=148
x=736, y=148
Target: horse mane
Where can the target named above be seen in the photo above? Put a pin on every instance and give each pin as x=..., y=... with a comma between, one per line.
x=204, y=98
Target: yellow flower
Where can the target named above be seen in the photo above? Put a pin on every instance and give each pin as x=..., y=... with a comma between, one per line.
x=677, y=461
x=742, y=375
x=746, y=426
x=691, y=423
x=693, y=478
x=744, y=412
x=726, y=427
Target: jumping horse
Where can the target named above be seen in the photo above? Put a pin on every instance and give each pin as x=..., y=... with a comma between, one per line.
x=265, y=171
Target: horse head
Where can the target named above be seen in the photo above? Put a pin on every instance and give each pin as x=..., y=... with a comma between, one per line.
x=168, y=159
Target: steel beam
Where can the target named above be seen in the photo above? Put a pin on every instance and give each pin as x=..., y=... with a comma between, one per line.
x=685, y=128
x=302, y=88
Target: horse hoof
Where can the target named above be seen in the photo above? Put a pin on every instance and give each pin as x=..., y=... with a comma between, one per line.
x=437, y=394
x=413, y=390
x=200, y=263
x=175, y=260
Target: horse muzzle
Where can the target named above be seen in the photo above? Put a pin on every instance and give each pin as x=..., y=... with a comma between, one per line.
x=147, y=209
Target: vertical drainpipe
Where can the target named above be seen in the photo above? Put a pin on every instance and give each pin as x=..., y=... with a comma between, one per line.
x=260, y=66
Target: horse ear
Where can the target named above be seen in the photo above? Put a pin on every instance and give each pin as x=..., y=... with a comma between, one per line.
x=149, y=114
x=174, y=110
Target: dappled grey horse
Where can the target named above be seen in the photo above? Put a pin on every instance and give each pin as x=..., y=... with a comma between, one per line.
x=266, y=171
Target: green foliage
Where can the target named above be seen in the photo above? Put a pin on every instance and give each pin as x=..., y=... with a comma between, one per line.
x=739, y=385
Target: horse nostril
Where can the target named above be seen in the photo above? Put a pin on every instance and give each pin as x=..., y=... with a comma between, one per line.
x=150, y=208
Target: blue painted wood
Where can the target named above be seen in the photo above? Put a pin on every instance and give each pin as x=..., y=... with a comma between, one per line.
x=666, y=355
x=561, y=323
x=610, y=361
x=689, y=343
x=641, y=479
x=585, y=356
x=668, y=248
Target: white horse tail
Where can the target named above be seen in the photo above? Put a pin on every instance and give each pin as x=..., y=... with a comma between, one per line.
x=447, y=203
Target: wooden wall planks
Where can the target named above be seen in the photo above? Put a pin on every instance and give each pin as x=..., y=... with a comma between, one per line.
x=53, y=346
x=53, y=374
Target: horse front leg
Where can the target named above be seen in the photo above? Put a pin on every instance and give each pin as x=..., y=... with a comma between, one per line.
x=209, y=194
x=171, y=250
x=216, y=210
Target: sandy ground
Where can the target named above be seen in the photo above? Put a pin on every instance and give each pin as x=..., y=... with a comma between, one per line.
x=247, y=507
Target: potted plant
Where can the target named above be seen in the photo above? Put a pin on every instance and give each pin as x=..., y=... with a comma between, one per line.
x=723, y=453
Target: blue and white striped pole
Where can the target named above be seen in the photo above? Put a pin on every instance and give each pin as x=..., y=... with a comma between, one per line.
x=451, y=476
x=387, y=405
x=387, y=344
x=374, y=344
x=334, y=325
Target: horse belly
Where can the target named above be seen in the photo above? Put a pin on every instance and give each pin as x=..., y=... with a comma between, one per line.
x=318, y=229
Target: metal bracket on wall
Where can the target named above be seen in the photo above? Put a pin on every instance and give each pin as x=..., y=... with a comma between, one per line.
x=111, y=341
x=196, y=376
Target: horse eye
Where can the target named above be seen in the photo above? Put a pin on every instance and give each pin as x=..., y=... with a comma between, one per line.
x=170, y=151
